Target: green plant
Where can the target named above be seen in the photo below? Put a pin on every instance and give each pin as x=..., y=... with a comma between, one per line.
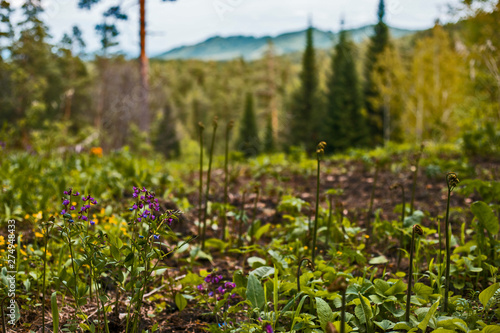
x=320, y=151
x=229, y=126
x=201, y=127
x=416, y=230
x=402, y=236
x=451, y=181
x=46, y=227
x=207, y=189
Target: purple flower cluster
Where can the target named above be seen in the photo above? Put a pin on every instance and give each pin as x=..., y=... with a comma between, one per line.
x=267, y=327
x=213, y=281
x=147, y=200
x=84, y=210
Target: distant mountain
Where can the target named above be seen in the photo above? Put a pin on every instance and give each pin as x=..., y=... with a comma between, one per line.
x=251, y=48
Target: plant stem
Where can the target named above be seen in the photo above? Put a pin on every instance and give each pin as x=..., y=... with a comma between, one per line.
x=226, y=180
x=200, y=188
x=240, y=228
x=451, y=181
x=316, y=212
x=44, y=274
x=207, y=190
x=311, y=263
x=342, y=312
x=448, y=259
x=410, y=278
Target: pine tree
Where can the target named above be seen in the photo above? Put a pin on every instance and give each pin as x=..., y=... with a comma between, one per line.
x=269, y=145
x=304, y=111
x=347, y=127
x=378, y=43
x=248, y=141
x=167, y=141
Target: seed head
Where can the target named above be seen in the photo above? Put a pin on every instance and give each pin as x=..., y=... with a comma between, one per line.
x=452, y=180
x=201, y=126
x=339, y=284
x=418, y=230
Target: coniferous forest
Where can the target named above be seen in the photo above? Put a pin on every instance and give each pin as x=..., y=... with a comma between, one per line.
x=347, y=189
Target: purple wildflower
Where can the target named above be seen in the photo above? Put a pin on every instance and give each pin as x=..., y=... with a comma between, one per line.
x=268, y=328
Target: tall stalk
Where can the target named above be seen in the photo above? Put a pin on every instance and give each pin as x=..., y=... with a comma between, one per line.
x=320, y=151
x=416, y=230
x=226, y=179
x=207, y=189
x=47, y=227
x=242, y=213
x=415, y=174
x=452, y=181
x=201, y=127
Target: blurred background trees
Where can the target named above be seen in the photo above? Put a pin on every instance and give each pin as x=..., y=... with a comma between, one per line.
x=441, y=84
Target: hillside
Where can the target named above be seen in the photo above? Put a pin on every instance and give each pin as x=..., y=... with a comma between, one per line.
x=251, y=48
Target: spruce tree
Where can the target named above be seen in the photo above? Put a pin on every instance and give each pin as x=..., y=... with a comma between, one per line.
x=304, y=110
x=346, y=125
x=248, y=141
x=269, y=145
x=378, y=42
x=167, y=141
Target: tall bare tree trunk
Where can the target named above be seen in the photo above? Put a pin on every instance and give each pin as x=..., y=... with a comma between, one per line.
x=144, y=116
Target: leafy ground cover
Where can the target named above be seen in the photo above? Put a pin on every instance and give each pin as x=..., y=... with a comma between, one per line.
x=124, y=252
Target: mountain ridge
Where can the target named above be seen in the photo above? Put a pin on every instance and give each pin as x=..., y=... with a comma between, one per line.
x=220, y=48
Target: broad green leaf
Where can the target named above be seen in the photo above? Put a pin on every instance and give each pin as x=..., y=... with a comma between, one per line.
x=491, y=329
x=262, y=230
x=364, y=311
x=378, y=260
x=384, y=324
x=423, y=324
x=239, y=279
x=396, y=288
x=263, y=272
x=453, y=324
x=255, y=262
x=337, y=326
x=180, y=301
x=488, y=293
x=255, y=292
x=443, y=330
x=325, y=313
x=486, y=216
x=422, y=291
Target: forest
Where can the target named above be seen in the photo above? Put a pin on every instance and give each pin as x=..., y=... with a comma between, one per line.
x=350, y=189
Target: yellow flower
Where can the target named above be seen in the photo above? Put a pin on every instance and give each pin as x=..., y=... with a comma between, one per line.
x=305, y=247
x=339, y=253
x=27, y=216
x=23, y=252
x=97, y=151
x=367, y=236
x=73, y=203
x=39, y=235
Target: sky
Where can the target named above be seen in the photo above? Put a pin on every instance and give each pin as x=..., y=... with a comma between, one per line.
x=187, y=22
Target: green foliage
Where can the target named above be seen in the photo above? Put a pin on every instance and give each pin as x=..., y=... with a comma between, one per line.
x=346, y=124
x=378, y=42
x=248, y=142
x=305, y=111
x=166, y=141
